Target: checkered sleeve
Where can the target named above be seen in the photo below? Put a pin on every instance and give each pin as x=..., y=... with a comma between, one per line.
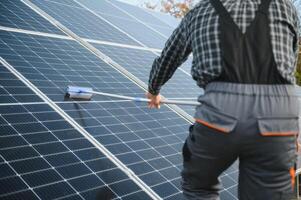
x=297, y=24
x=175, y=52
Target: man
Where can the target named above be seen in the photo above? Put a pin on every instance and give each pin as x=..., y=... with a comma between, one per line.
x=244, y=56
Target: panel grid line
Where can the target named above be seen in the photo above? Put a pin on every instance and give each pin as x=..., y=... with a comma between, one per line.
x=46, y=169
x=64, y=180
x=152, y=148
x=6, y=162
x=91, y=11
x=136, y=19
x=52, y=35
x=43, y=157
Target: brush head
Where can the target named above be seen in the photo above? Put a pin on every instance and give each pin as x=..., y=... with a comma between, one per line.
x=75, y=92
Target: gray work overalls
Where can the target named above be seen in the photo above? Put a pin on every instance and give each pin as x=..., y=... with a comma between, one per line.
x=249, y=113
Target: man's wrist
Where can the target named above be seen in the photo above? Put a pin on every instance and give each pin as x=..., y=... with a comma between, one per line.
x=153, y=92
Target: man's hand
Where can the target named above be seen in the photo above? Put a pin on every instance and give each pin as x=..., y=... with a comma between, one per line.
x=154, y=100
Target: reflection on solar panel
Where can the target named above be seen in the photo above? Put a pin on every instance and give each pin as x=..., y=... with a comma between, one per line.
x=83, y=23
x=15, y=14
x=104, y=8
x=146, y=18
x=171, y=21
x=128, y=24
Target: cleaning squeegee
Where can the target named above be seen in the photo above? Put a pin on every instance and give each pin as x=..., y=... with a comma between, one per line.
x=86, y=93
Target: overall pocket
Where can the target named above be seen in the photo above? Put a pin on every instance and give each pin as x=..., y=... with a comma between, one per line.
x=285, y=129
x=215, y=120
x=278, y=126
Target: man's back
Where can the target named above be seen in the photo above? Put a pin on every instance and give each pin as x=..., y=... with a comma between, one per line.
x=199, y=33
x=205, y=38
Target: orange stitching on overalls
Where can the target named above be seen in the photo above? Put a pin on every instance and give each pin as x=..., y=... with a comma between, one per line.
x=279, y=133
x=212, y=126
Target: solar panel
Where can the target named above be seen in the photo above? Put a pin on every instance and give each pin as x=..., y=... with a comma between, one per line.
x=138, y=13
x=103, y=128
x=130, y=25
x=16, y=14
x=147, y=141
x=142, y=33
x=145, y=17
x=143, y=140
x=53, y=64
x=43, y=157
x=65, y=2
x=83, y=23
x=167, y=18
x=101, y=122
x=104, y=8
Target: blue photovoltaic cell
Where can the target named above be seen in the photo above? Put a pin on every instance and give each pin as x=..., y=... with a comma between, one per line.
x=128, y=24
x=168, y=19
x=42, y=159
x=104, y=7
x=145, y=17
x=139, y=13
x=16, y=14
x=83, y=23
x=139, y=31
x=12, y=90
x=139, y=62
x=166, y=31
x=147, y=141
x=65, y=2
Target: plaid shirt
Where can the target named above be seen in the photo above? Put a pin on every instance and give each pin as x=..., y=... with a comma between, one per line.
x=198, y=32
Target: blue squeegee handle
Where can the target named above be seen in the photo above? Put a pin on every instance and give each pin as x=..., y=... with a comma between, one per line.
x=137, y=99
